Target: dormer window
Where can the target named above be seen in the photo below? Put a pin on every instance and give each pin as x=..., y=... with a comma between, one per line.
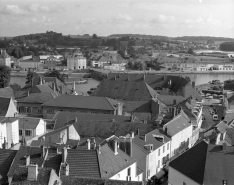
x=224, y=182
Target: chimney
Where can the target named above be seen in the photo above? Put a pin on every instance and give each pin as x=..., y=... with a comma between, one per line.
x=165, y=130
x=93, y=143
x=27, y=93
x=53, y=87
x=115, y=147
x=129, y=146
x=144, y=137
x=119, y=112
x=122, y=143
x=99, y=149
x=32, y=172
x=61, y=89
x=88, y=144
x=75, y=120
x=43, y=150
x=137, y=132
x=224, y=146
x=193, y=84
x=132, y=118
x=40, y=81
x=64, y=155
x=132, y=134
x=27, y=160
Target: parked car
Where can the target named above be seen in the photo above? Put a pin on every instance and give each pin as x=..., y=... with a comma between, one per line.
x=211, y=111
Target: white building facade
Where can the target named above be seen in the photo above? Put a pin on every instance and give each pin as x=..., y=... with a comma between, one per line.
x=77, y=61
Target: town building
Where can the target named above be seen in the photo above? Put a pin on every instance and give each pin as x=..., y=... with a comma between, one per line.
x=5, y=59
x=86, y=104
x=9, y=132
x=203, y=164
x=77, y=61
x=32, y=63
x=180, y=130
x=30, y=127
x=8, y=107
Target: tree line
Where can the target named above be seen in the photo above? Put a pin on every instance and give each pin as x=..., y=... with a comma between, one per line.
x=227, y=46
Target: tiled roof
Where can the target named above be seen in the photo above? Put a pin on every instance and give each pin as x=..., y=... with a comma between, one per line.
x=83, y=163
x=44, y=88
x=192, y=162
x=37, y=98
x=126, y=90
x=206, y=164
x=7, y=92
x=169, y=99
x=5, y=102
x=150, y=139
x=229, y=137
x=6, y=159
x=177, y=124
x=21, y=153
x=231, y=99
x=54, y=132
x=83, y=102
x=95, y=181
x=174, y=83
x=21, y=173
x=53, y=161
x=111, y=163
x=92, y=125
x=137, y=106
x=28, y=123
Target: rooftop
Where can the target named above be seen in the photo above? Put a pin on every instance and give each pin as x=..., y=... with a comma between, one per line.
x=28, y=122
x=206, y=164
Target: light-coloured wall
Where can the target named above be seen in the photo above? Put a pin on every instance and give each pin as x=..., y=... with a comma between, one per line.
x=41, y=128
x=182, y=136
x=12, y=110
x=76, y=63
x=27, y=65
x=177, y=178
x=3, y=133
x=122, y=175
x=73, y=133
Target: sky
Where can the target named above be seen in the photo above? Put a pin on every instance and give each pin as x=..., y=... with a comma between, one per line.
x=104, y=17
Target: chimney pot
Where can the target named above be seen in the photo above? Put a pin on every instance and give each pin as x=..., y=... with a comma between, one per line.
x=99, y=149
x=32, y=172
x=132, y=134
x=129, y=146
x=64, y=155
x=27, y=160
x=88, y=144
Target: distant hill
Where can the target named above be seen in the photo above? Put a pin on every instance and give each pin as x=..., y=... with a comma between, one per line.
x=203, y=38
x=140, y=36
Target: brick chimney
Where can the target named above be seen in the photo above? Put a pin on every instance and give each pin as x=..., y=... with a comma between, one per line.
x=129, y=146
x=88, y=144
x=32, y=172
x=99, y=149
x=43, y=150
x=53, y=87
x=27, y=160
x=64, y=155
x=61, y=89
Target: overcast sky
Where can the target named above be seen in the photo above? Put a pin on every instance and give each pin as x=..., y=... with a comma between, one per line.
x=105, y=17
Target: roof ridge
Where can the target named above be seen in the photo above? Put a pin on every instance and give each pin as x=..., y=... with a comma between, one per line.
x=108, y=100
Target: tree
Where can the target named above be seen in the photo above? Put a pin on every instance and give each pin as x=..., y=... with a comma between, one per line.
x=54, y=73
x=15, y=87
x=227, y=46
x=190, y=51
x=30, y=75
x=187, y=78
x=94, y=36
x=5, y=76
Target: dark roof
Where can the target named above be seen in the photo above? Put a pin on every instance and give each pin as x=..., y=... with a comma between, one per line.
x=5, y=102
x=229, y=86
x=44, y=88
x=83, y=102
x=126, y=90
x=34, y=152
x=229, y=137
x=169, y=99
x=39, y=98
x=28, y=123
x=53, y=161
x=206, y=164
x=174, y=83
x=83, y=163
x=192, y=162
x=177, y=124
x=54, y=131
x=92, y=125
x=137, y=106
x=7, y=92
x=6, y=159
x=231, y=99
x=95, y=181
x=150, y=139
x=21, y=173
x=111, y=163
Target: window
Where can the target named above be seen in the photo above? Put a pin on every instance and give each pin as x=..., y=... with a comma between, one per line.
x=39, y=111
x=159, y=152
x=158, y=163
x=20, y=132
x=51, y=111
x=224, y=182
x=129, y=171
x=167, y=146
x=28, y=132
x=163, y=149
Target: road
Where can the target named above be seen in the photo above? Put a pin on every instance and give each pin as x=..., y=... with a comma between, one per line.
x=208, y=122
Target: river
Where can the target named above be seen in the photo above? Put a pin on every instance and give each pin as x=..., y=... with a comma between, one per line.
x=198, y=78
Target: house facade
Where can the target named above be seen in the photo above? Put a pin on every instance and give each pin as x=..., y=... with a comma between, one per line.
x=77, y=61
x=5, y=59
x=31, y=127
x=9, y=132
